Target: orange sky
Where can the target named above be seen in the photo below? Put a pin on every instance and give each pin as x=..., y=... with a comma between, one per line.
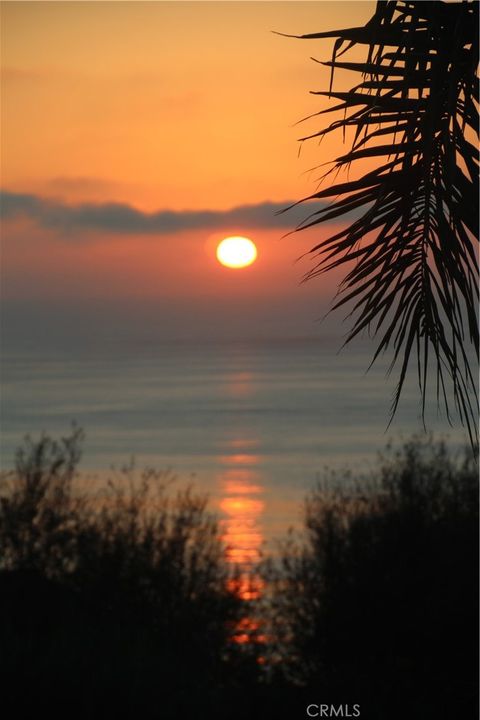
x=159, y=106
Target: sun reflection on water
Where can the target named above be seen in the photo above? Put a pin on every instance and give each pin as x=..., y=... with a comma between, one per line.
x=239, y=385
x=242, y=507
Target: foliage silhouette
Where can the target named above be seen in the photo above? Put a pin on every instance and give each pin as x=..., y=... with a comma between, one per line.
x=115, y=602
x=377, y=602
x=414, y=280
x=118, y=603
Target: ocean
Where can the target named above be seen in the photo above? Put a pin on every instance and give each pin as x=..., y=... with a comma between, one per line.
x=252, y=423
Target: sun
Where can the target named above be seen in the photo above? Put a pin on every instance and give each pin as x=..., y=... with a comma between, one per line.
x=236, y=252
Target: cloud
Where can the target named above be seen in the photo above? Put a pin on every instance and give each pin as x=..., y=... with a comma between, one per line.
x=120, y=218
x=22, y=74
x=81, y=184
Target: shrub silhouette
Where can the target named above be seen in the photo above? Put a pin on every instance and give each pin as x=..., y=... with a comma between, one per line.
x=377, y=603
x=110, y=603
x=118, y=603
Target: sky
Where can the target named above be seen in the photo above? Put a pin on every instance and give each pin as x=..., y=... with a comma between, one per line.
x=137, y=135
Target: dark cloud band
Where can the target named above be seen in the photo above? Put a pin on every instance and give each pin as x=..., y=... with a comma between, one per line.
x=124, y=219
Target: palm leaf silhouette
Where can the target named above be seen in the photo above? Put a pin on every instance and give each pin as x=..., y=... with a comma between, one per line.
x=413, y=283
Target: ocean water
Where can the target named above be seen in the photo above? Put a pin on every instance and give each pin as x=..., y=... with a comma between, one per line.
x=251, y=423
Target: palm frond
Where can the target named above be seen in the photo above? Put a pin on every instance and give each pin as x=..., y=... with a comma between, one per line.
x=414, y=282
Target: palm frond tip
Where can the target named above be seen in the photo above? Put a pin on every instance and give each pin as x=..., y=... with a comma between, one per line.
x=413, y=241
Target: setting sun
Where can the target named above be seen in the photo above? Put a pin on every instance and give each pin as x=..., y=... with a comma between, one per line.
x=236, y=252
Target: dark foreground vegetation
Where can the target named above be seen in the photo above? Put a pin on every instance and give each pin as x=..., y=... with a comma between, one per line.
x=377, y=603
x=117, y=604
x=111, y=603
